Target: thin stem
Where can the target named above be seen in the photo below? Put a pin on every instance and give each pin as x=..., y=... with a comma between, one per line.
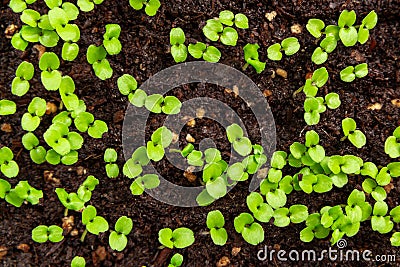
x=83, y=235
x=245, y=66
x=343, y=138
x=66, y=212
x=297, y=91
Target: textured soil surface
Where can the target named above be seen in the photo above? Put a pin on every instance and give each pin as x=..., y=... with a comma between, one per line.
x=145, y=52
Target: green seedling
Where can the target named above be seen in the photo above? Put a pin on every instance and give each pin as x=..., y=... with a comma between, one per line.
x=204, y=198
x=369, y=169
x=88, y=5
x=94, y=224
x=319, y=183
x=332, y=100
x=70, y=51
x=20, y=193
x=261, y=210
x=48, y=38
x=251, y=57
x=36, y=109
x=216, y=222
x=286, y=184
x=20, y=84
x=8, y=166
x=313, y=229
x=147, y=181
x=51, y=77
x=252, y=232
x=320, y=54
x=178, y=48
x=370, y=186
x=318, y=79
x=347, y=164
x=395, y=214
x=43, y=233
x=111, y=43
x=395, y=239
x=20, y=5
x=78, y=261
x=61, y=140
x=368, y=23
x=313, y=107
x=379, y=221
x=357, y=209
x=151, y=6
x=237, y=172
x=71, y=201
x=68, y=97
x=127, y=85
x=315, y=27
x=95, y=128
x=160, y=139
x=31, y=143
x=216, y=183
x=179, y=238
x=110, y=157
x=207, y=52
x=195, y=158
x=157, y=103
x=7, y=107
x=356, y=137
x=392, y=143
x=214, y=30
x=348, y=33
x=59, y=18
x=96, y=56
x=133, y=166
x=53, y=3
x=241, y=144
x=85, y=190
x=18, y=42
x=289, y=45
x=176, y=260
x=227, y=18
x=350, y=73
x=253, y=163
x=278, y=162
x=118, y=239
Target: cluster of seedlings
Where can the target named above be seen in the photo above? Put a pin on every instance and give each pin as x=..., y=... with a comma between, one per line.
x=316, y=171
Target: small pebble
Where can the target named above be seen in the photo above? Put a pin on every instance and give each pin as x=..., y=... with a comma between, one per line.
x=190, y=138
x=200, y=113
x=235, y=251
x=24, y=247
x=51, y=108
x=190, y=176
x=224, y=261
x=175, y=138
x=396, y=103
x=191, y=123
x=267, y=93
x=3, y=251
x=281, y=72
x=375, y=106
x=74, y=232
x=296, y=28
x=41, y=49
x=10, y=30
x=6, y=127
x=270, y=16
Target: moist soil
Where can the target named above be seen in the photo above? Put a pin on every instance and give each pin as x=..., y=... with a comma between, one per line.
x=145, y=52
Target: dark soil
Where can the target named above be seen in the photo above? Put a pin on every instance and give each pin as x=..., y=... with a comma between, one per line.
x=145, y=52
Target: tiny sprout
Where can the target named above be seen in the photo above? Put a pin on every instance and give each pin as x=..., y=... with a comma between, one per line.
x=216, y=222
x=313, y=229
x=151, y=8
x=356, y=137
x=117, y=238
x=261, y=210
x=31, y=143
x=392, y=143
x=111, y=43
x=160, y=139
x=179, y=238
x=278, y=162
x=94, y=224
x=176, y=260
x=148, y=181
x=252, y=232
x=357, y=209
x=315, y=27
x=110, y=157
x=88, y=5
x=318, y=79
x=214, y=30
x=241, y=144
x=96, y=56
x=53, y=3
x=348, y=33
x=7, y=107
x=195, y=158
x=368, y=23
x=178, y=48
x=350, y=73
x=251, y=57
x=51, y=77
x=313, y=107
x=379, y=221
x=157, y=103
x=347, y=164
x=78, y=261
x=371, y=187
x=85, y=190
x=20, y=84
x=227, y=17
x=43, y=233
x=67, y=89
x=20, y=5
x=207, y=52
x=70, y=201
x=69, y=51
x=85, y=122
x=36, y=109
x=320, y=54
x=8, y=166
x=289, y=45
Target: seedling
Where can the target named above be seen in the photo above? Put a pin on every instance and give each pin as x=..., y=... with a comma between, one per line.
x=252, y=232
x=160, y=139
x=216, y=222
x=88, y=5
x=133, y=166
x=379, y=221
x=357, y=209
x=261, y=210
x=253, y=163
x=7, y=107
x=207, y=52
x=110, y=157
x=350, y=73
x=348, y=33
x=84, y=192
x=51, y=77
x=70, y=51
x=317, y=80
x=31, y=143
x=178, y=48
x=111, y=43
x=370, y=186
x=30, y=17
x=368, y=23
x=395, y=239
x=392, y=143
x=241, y=144
x=94, y=224
x=356, y=137
x=67, y=89
x=157, y=103
x=195, y=158
x=313, y=229
x=315, y=27
x=78, y=261
x=289, y=45
x=8, y=166
x=347, y=164
x=53, y=3
x=320, y=54
x=59, y=18
x=216, y=184
x=214, y=30
x=95, y=128
x=118, y=239
x=96, y=56
x=20, y=5
x=278, y=162
x=20, y=193
x=147, y=181
x=36, y=109
x=70, y=201
x=20, y=84
x=319, y=183
x=251, y=57
x=395, y=214
x=176, y=260
x=43, y=233
x=179, y=238
x=332, y=100
x=151, y=8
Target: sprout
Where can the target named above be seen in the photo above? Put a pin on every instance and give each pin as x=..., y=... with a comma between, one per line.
x=43, y=233
x=356, y=137
x=31, y=143
x=241, y=144
x=117, y=238
x=53, y=3
x=214, y=30
x=20, y=84
x=148, y=181
x=157, y=103
x=278, y=162
x=216, y=222
x=160, y=139
x=7, y=107
x=84, y=192
x=69, y=51
x=368, y=23
x=348, y=33
x=332, y=100
x=94, y=224
x=78, y=261
x=315, y=27
x=111, y=43
x=195, y=158
x=36, y=109
x=70, y=201
x=85, y=122
x=20, y=193
x=151, y=8
x=252, y=232
x=318, y=79
x=110, y=157
x=320, y=54
x=371, y=187
x=20, y=5
x=313, y=229
x=350, y=73
x=8, y=166
x=207, y=52
x=133, y=166
x=227, y=17
x=176, y=260
x=96, y=56
x=179, y=238
x=357, y=208
x=261, y=210
x=178, y=47
x=289, y=45
x=251, y=57
x=88, y=5
x=51, y=77
x=379, y=221
x=67, y=89
x=392, y=143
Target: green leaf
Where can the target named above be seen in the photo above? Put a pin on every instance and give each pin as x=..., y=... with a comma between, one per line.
x=152, y=7
x=363, y=34
x=117, y=241
x=212, y=155
x=53, y=3
x=298, y=213
x=49, y=38
x=281, y=218
x=78, y=261
x=358, y=139
x=241, y=21
x=40, y=234
x=212, y=54
x=103, y=69
x=204, y=199
x=55, y=233
x=329, y=44
x=229, y=36
x=97, y=129
x=95, y=53
x=7, y=107
x=195, y=158
x=213, y=29
x=361, y=70
x=17, y=6
x=215, y=219
x=236, y=172
x=254, y=234
x=274, y=52
x=165, y=236
x=18, y=42
x=98, y=225
x=319, y=56
x=347, y=18
x=197, y=50
x=19, y=87
x=395, y=239
x=234, y=132
x=276, y=199
x=315, y=27
x=332, y=100
x=69, y=51
x=348, y=126
x=126, y=84
x=176, y=260
x=226, y=17
x=216, y=188
x=154, y=103
x=110, y=155
x=370, y=20
x=57, y=17
x=290, y=46
x=85, y=5
x=138, y=98
x=51, y=80
x=307, y=234
x=320, y=77
x=177, y=36
x=154, y=151
x=182, y=237
x=348, y=36
x=38, y=155
x=219, y=236
x=392, y=147
x=71, y=10
x=171, y=105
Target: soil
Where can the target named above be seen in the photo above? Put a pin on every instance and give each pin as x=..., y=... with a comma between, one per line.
x=145, y=52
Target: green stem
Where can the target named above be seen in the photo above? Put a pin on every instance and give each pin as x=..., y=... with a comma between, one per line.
x=298, y=91
x=66, y=213
x=343, y=138
x=83, y=235
x=245, y=66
